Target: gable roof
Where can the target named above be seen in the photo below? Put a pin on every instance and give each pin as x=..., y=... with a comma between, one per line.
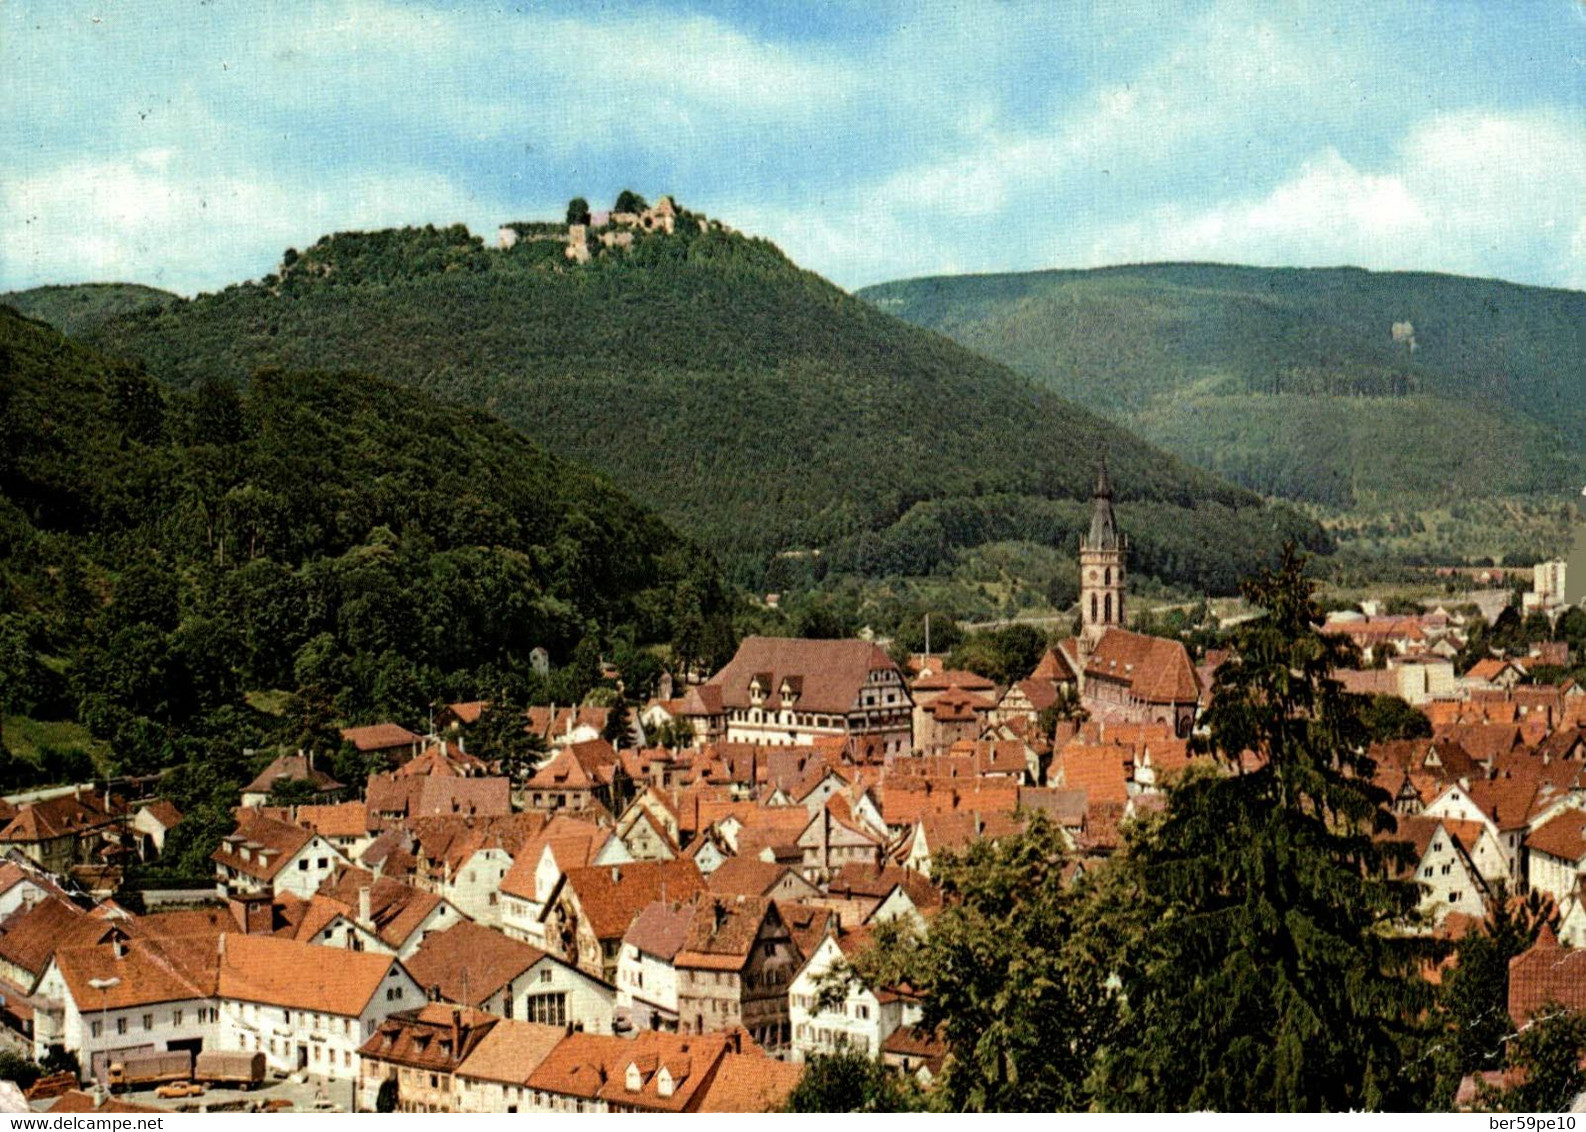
x=139, y=972
x=1546, y=973
x=510, y=1051
x=284, y=972
x=291, y=768
x=610, y=896
x=469, y=962
x=1157, y=670
x=1562, y=836
x=379, y=737
x=29, y=937
x=660, y=928
x=595, y=1066
x=750, y=1083
x=578, y=766
x=396, y=909
x=830, y=673
x=573, y=844
x=269, y=844
x=345, y=819
x=164, y=813
x=60, y=816
x=434, y=1036
x=747, y=876
x=722, y=931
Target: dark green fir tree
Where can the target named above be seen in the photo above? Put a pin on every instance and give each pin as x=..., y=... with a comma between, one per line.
x=1269, y=971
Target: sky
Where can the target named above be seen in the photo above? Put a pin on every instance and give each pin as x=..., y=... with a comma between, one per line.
x=187, y=143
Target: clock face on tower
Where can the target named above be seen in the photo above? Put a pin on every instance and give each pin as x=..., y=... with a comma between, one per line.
x=1094, y=575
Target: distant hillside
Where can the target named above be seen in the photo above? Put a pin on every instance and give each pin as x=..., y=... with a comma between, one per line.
x=163, y=554
x=1337, y=386
x=80, y=307
x=756, y=405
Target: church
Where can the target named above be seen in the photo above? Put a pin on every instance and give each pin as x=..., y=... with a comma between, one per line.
x=1123, y=676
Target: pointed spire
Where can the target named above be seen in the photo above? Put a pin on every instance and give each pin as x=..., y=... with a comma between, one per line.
x=1103, y=524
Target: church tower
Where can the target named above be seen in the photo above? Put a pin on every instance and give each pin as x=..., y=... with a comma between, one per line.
x=1102, y=554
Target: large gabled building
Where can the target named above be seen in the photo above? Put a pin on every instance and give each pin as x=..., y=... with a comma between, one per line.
x=790, y=692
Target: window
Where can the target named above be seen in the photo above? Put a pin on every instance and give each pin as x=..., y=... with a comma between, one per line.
x=1453, y=897
x=861, y=1010
x=148, y=1021
x=546, y=974
x=97, y=1029
x=176, y=1017
x=302, y=866
x=548, y=1009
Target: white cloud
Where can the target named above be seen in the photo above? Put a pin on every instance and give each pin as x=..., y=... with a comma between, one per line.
x=1461, y=193
x=151, y=218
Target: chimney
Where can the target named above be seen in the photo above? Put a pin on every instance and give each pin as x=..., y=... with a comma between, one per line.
x=616, y=874
x=457, y=1033
x=719, y=911
x=119, y=947
x=364, y=916
x=223, y=948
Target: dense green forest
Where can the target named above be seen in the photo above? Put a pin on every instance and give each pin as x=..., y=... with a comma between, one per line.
x=1341, y=387
x=755, y=405
x=356, y=548
x=78, y=308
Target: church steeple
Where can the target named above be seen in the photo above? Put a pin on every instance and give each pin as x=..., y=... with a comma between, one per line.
x=1103, y=553
x=1103, y=524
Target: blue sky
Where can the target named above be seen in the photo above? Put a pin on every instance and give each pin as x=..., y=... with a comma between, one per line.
x=187, y=143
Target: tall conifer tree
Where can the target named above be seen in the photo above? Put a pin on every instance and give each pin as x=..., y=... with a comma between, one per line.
x=1269, y=972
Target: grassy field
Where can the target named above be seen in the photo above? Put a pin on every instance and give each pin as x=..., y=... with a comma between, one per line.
x=27, y=738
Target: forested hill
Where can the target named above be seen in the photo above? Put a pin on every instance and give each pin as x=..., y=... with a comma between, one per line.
x=78, y=308
x=754, y=404
x=348, y=548
x=1339, y=386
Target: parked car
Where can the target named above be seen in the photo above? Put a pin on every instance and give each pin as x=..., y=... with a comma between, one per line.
x=178, y=1089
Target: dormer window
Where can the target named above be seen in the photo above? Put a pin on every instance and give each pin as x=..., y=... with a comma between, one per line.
x=663, y=1082
x=633, y=1080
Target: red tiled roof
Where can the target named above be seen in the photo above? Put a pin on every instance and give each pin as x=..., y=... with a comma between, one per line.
x=1563, y=836
x=660, y=928
x=469, y=962
x=55, y=817
x=1546, y=973
x=595, y=1067
x=437, y=1037
x=291, y=768
x=750, y=1083
x=954, y=678
x=140, y=972
x=379, y=737
x=1157, y=670
x=396, y=910
x=30, y=936
x=270, y=844
x=573, y=844
x=832, y=672
x=347, y=819
x=610, y=896
x=722, y=931
x=284, y=972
